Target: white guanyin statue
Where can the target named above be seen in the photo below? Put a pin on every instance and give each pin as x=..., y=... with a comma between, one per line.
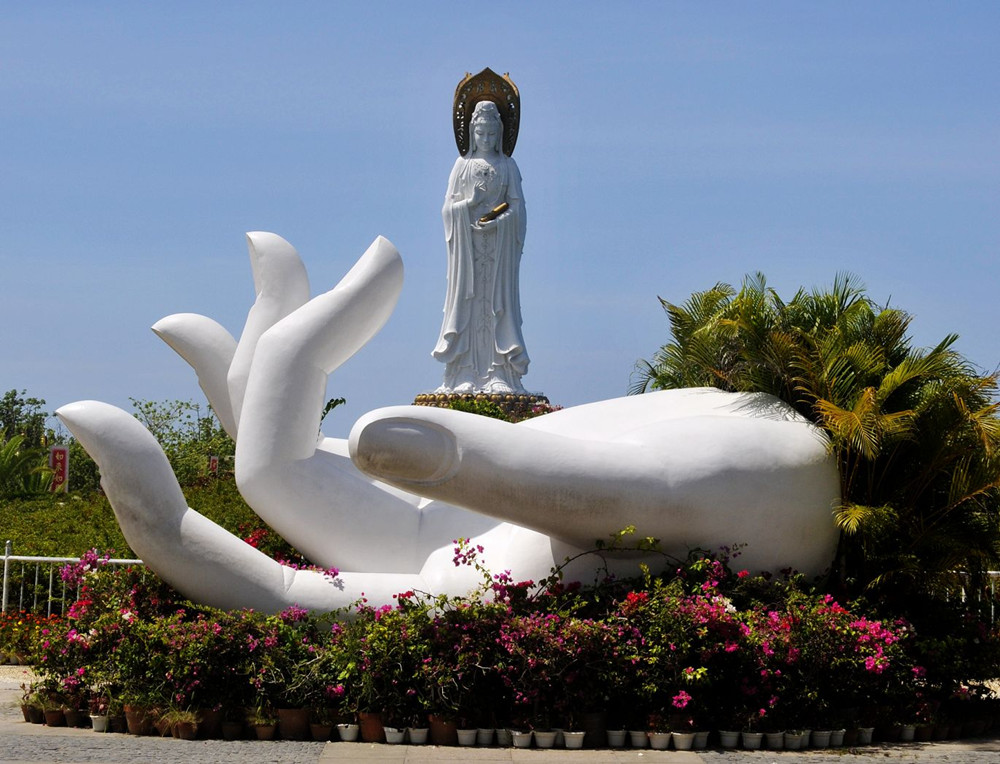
x=484, y=224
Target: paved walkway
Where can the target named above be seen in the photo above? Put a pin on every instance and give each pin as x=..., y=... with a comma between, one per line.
x=22, y=742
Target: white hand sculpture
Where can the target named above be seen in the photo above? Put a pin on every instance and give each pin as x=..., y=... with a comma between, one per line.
x=695, y=468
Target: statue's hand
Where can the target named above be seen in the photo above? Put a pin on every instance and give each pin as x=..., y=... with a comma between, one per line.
x=478, y=194
x=695, y=468
x=486, y=225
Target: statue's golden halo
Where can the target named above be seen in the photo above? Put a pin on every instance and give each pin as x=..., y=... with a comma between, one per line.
x=486, y=86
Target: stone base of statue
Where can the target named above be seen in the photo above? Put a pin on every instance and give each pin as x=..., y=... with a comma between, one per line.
x=516, y=406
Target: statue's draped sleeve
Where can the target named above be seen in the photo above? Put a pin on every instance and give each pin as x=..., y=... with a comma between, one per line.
x=506, y=288
x=458, y=236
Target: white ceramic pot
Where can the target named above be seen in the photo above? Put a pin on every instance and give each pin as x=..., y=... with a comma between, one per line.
x=794, y=740
x=545, y=739
x=484, y=736
x=820, y=738
x=573, y=740
x=467, y=737
x=683, y=741
x=616, y=738
x=99, y=722
x=729, y=738
x=504, y=738
x=638, y=738
x=751, y=740
x=394, y=735
x=417, y=735
x=837, y=737
x=348, y=732
x=659, y=741
x=521, y=739
x=775, y=741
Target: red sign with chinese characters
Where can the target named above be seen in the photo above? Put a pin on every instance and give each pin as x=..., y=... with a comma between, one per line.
x=59, y=464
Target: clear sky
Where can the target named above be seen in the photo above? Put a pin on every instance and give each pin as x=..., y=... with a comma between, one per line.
x=664, y=147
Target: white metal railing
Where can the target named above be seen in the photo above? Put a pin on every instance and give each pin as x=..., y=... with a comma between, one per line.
x=33, y=588
x=992, y=582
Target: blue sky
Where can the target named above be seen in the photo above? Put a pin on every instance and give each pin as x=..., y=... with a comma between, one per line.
x=664, y=147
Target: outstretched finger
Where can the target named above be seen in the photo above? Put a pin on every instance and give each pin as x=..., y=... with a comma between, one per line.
x=208, y=348
x=199, y=558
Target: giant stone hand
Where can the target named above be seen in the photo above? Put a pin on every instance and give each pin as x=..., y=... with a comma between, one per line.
x=694, y=468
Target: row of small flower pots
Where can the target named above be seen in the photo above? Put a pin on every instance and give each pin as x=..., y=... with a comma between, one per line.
x=793, y=740
x=293, y=725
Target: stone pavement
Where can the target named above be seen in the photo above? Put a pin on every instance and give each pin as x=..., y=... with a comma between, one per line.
x=22, y=742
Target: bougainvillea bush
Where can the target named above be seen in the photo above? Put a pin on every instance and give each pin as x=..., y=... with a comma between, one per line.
x=696, y=646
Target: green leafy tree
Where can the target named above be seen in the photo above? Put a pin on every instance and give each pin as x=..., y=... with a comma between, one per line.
x=22, y=415
x=915, y=431
x=23, y=441
x=189, y=434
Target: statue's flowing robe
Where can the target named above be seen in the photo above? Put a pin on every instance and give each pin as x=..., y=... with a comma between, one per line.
x=454, y=346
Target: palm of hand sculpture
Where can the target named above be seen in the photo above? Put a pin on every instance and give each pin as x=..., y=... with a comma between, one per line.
x=694, y=468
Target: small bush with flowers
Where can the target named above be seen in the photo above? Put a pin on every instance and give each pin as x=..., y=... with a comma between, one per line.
x=695, y=647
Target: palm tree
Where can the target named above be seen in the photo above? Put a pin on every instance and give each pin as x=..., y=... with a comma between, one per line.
x=22, y=470
x=915, y=432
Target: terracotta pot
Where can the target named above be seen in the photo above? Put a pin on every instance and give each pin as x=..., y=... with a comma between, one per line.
x=138, y=720
x=55, y=718
x=210, y=726
x=293, y=723
x=320, y=732
x=265, y=731
x=186, y=730
x=232, y=730
x=443, y=731
x=74, y=718
x=35, y=715
x=372, y=730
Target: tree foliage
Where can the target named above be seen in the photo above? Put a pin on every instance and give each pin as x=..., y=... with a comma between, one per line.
x=188, y=434
x=22, y=470
x=915, y=431
x=21, y=415
x=23, y=441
